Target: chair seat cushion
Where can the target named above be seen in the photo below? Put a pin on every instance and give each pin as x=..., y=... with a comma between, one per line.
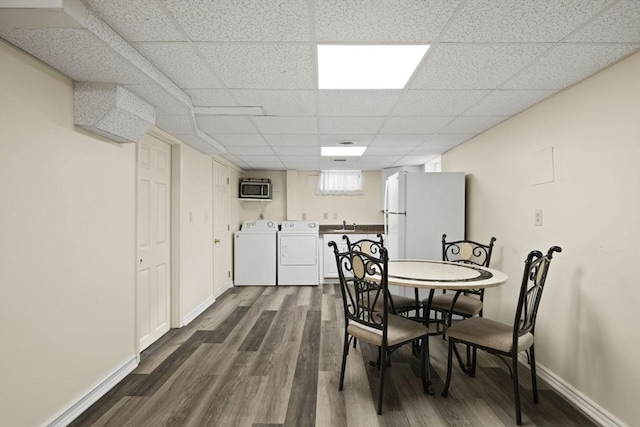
x=400, y=303
x=399, y=330
x=488, y=333
x=466, y=306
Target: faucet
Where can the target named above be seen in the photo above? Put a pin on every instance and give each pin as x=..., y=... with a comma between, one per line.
x=344, y=225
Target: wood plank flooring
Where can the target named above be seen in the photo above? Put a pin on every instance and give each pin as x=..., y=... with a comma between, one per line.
x=270, y=356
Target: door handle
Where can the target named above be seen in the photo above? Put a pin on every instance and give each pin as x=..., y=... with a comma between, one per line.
x=216, y=241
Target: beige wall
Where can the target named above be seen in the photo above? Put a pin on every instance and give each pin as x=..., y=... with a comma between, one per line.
x=197, y=229
x=67, y=247
x=588, y=332
x=363, y=209
x=275, y=209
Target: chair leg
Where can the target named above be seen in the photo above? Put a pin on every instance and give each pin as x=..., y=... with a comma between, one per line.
x=445, y=392
x=383, y=368
x=426, y=366
x=534, y=382
x=474, y=358
x=516, y=387
x=345, y=351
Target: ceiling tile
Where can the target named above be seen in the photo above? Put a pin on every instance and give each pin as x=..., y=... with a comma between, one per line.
x=356, y=102
x=198, y=143
x=233, y=20
x=303, y=125
x=289, y=160
x=414, y=125
x=473, y=66
x=139, y=20
x=161, y=99
x=239, y=139
x=567, y=64
x=448, y=139
x=180, y=63
x=409, y=140
x=225, y=124
x=250, y=151
x=471, y=124
x=430, y=150
x=349, y=125
x=521, y=21
x=621, y=23
x=414, y=160
x=211, y=98
x=296, y=151
x=393, y=150
x=261, y=66
x=381, y=20
x=376, y=162
x=508, y=102
x=235, y=160
x=279, y=102
x=175, y=124
x=292, y=139
x=437, y=102
x=263, y=162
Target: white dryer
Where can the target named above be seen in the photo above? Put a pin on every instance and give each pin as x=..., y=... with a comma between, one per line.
x=298, y=253
x=254, y=261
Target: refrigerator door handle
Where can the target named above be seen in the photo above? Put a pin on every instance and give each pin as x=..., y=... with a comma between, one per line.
x=386, y=208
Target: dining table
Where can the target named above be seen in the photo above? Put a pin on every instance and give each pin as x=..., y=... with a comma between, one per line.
x=434, y=275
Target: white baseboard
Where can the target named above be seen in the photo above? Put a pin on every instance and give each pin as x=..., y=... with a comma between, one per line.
x=587, y=406
x=225, y=289
x=95, y=393
x=198, y=311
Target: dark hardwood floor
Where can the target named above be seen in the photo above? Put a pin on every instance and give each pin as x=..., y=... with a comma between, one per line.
x=270, y=356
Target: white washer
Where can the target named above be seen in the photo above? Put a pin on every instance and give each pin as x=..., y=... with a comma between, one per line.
x=254, y=261
x=298, y=257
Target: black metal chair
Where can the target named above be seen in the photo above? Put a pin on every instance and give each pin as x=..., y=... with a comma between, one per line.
x=508, y=340
x=470, y=302
x=363, y=282
x=400, y=304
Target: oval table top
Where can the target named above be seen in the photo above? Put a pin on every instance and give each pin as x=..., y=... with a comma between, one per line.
x=415, y=273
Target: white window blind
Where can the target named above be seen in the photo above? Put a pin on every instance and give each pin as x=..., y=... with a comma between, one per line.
x=340, y=182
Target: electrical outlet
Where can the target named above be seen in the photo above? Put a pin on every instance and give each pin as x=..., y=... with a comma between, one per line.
x=538, y=218
x=325, y=215
x=335, y=216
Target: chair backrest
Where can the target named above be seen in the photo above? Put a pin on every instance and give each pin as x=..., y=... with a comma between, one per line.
x=372, y=247
x=535, y=275
x=359, y=293
x=467, y=251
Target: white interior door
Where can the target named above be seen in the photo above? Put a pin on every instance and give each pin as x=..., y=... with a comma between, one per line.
x=154, y=245
x=221, y=233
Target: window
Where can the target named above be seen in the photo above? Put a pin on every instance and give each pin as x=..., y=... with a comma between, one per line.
x=340, y=182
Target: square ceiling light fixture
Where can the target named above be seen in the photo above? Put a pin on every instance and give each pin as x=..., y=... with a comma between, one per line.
x=342, y=151
x=367, y=66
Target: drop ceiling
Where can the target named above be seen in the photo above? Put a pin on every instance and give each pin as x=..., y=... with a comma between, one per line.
x=196, y=62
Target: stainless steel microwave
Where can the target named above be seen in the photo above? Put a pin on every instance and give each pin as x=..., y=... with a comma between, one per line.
x=255, y=188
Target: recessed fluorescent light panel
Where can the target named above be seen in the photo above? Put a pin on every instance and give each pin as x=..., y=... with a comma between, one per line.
x=367, y=66
x=342, y=151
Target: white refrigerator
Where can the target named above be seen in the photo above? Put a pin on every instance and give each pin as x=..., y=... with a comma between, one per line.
x=419, y=208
